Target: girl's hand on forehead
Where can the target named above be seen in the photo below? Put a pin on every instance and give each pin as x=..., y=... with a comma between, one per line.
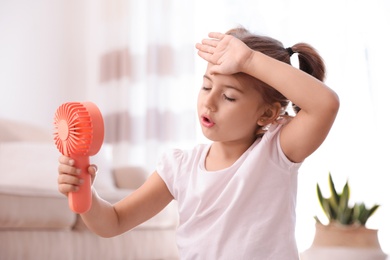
x=227, y=54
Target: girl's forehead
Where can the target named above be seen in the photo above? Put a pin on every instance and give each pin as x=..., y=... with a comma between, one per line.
x=239, y=80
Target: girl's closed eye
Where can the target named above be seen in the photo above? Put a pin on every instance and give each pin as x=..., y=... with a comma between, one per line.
x=206, y=88
x=228, y=98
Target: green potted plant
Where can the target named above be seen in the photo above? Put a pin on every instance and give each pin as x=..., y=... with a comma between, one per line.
x=345, y=235
x=338, y=210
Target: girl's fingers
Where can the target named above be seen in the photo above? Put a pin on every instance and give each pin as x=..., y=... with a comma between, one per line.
x=210, y=42
x=66, y=169
x=66, y=166
x=205, y=48
x=68, y=175
x=68, y=183
x=204, y=55
x=66, y=188
x=66, y=160
x=216, y=35
x=69, y=179
x=93, y=169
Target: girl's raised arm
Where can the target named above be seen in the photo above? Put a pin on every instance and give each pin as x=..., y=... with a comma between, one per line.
x=319, y=104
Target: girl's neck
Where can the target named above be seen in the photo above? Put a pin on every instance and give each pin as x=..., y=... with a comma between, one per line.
x=223, y=155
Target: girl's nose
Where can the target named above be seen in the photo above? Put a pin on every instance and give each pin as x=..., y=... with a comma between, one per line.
x=210, y=102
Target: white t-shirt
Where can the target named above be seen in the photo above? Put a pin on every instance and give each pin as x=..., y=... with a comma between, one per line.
x=246, y=211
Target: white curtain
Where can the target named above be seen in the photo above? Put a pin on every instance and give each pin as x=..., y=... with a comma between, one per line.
x=142, y=78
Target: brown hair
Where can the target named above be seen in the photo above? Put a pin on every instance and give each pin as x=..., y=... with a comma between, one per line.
x=309, y=60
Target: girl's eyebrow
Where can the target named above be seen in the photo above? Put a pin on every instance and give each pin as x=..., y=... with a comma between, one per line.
x=225, y=86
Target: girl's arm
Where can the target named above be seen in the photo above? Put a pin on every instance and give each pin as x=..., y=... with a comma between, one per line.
x=319, y=104
x=109, y=220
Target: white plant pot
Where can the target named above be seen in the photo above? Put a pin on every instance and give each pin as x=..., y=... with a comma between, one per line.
x=337, y=242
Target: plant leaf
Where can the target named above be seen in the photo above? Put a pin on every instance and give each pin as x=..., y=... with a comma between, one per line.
x=317, y=220
x=363, y=215
x=344, y=212
x=373, y=209
x=357, y=212
x=367, y=214
x=324, y=203
x=346, y=217
x=334, y=196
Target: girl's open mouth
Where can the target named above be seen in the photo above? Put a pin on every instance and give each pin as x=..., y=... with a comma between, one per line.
x=207, y=122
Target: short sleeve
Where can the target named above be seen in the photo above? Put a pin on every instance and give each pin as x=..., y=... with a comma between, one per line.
x=276, y=152
x=168, y=167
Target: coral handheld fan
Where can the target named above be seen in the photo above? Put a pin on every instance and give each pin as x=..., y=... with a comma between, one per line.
x=78, y=134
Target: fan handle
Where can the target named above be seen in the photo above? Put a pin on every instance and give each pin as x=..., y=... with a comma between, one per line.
x=81, y=200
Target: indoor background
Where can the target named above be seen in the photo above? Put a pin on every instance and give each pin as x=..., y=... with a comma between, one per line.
x=136, y=60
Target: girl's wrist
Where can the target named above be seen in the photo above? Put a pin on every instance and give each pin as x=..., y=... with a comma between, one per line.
x=249, y=62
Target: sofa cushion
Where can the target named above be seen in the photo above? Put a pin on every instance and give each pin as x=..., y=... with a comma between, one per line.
x=28, y=187
x=30, y=208
x=11, y=131
x=29, y=165
x=29, y=196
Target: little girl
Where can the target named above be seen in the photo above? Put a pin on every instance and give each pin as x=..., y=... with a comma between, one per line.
x=236, y=196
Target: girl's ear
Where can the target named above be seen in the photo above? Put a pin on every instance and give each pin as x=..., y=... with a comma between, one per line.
x=270, y=115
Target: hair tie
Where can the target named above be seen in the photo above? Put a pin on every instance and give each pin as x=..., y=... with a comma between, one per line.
x=290, y=51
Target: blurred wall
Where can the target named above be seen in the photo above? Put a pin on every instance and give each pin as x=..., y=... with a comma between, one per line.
x=42, y=64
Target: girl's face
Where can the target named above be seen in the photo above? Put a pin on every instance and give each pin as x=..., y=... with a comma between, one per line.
x=230, y=108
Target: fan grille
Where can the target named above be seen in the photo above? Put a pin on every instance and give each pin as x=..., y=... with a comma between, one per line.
x=73, y=129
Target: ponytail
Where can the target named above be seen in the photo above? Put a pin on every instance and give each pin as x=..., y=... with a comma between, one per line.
x=309, y=61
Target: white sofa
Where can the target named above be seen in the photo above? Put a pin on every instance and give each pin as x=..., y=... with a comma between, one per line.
x=36, y=222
